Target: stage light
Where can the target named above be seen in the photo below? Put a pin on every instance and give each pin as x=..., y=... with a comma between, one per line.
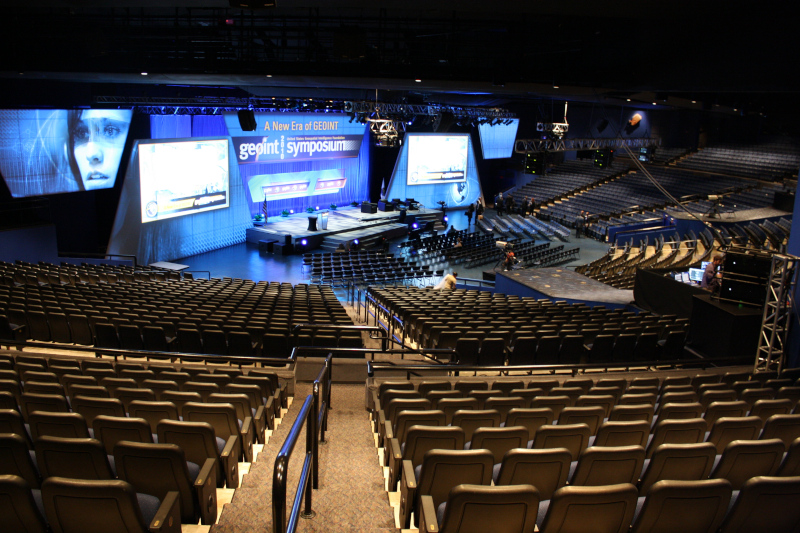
x=446, y=218
x=415, y=225
x=291, y=211
x=355, y=241
x=303, y=242
x=317, y=208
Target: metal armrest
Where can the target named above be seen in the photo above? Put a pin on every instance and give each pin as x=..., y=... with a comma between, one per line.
x=247, y=438
x=261, y=423
x=168, y=516
x=394, y=456
x=408, y=493
x=206, y=487
x=269, y=408
x=230, y=462
x=427, y=515
x=380, y=421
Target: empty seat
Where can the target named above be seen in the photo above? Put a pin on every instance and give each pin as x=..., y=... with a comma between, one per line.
x=574, y=438
x=499, y=440
x=91, y=506
x=82, y=458
x=685, y=506
x=67, y=425
x=629, y=433
x=742, y=460
x=419, y=440
x=199, y=442
x=678, y=462
x=471, y=508
x=765, y=504
x=18, y=508
x=726, y=430
x=576, y=509
x=547, y=470
x=599, y=465
x=111, y=430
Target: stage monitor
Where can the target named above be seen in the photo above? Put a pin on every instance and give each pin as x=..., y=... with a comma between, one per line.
x=52, y=151
x=696, y=274
x=182, y=178
x=437, y=159
x=497, y=142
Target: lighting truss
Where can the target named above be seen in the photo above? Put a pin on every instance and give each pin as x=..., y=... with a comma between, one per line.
x=427, y=110
x=777, y=314
x=530, y=146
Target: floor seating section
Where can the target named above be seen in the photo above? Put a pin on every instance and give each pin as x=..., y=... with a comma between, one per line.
x=533, y=331
x=114, y=307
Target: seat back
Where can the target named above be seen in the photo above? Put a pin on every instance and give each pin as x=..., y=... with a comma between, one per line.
x=199, y=442
x=689, y=431
x=473, y=419
x=532, y=418
x=609, y=509
x=444, y=469
x=499, y=440
x=153, y=412
x=51, y=403
x=790, y=466
x=67, y=425
x=784, y=427
x=92, y=506
x=717, y=410
x=421, y=439
x=504, y=405
x=742, y=460
x=157, y=469
x=507, y=509
x=600, y=465
x=110, y=430
x=15, y=459
x=82, y=458
x=765, y=504
x=547, y=470
x=91, y=407
x=592, y=416
x=726, y=430
x=634, y=433
x=687, y=462
x=557, y=403
x=18, y=508
x=573, y=437
x=684, y=506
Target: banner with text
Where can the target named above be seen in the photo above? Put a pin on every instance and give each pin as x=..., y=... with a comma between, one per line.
x=285, y=137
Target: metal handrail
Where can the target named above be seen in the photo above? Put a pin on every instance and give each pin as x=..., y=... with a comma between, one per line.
x=280, y=472
x=383, y=340
x=313, y=414
x=703, y=363
x=191, y=357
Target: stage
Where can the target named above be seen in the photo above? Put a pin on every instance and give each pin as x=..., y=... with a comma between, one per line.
x=561, y=284
x=344, y=225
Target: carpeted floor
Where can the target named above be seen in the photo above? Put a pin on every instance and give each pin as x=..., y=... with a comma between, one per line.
x=351, y=496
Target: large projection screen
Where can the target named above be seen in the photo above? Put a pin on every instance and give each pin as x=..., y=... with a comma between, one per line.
x=183, y=178
x=53, y=151
x=497, y=141
x=437, y=159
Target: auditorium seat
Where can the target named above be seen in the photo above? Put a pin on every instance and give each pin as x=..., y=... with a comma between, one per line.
x=90, y=408
x=676, y=431
x=592, y=416
x=784, y=427
x=440, y=471
x=222, y=417
x=111, y=430
x=105, y=335
x=742, y=460
x=30, y=402
x=16, y=460
x=158, y=469
x=199, y=442
x=765, y=504
x=76, y=458
x=766, y=408
x=18, y=506
x=468, y=508
x=100, y=506
x=686, y=506
x=628, y=433
x=574, y=437
x=729, y=429
x=608, y=508
x=66, y=425
x=419, y=440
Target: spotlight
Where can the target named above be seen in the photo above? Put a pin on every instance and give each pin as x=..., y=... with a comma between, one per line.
x=317, y=208
x=303, y=242
x=415, y=225
x=355, y=241
x=446, y=218
x=291, y=211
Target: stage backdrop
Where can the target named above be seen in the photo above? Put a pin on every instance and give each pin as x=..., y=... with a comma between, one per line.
x=441, y=166
x=300, y=160
x=180, y=236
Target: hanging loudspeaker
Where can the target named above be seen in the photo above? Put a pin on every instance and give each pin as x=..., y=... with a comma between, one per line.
x=247, y=119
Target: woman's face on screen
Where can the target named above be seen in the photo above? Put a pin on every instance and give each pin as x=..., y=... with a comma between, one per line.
x=98, y=141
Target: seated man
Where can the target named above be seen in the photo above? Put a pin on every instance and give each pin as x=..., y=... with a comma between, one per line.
x=711, y=278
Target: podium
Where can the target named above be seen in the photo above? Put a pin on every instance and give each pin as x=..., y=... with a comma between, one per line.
x=312, y=223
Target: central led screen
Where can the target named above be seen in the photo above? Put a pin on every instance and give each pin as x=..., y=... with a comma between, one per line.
x=183, y=178
x=437, y=159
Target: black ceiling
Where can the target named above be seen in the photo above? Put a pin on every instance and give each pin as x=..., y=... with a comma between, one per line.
x=479, y=53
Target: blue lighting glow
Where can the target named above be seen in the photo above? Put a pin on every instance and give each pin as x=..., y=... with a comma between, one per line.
x=355, y=241
x=303, y=242
x=415, y=225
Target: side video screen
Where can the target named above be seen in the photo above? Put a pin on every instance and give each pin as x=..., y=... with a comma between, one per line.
x=52, y=151
x=183, y=178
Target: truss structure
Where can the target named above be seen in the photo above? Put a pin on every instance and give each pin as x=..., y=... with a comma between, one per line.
x=429, y=110
x=777, y=314
x=526, y=146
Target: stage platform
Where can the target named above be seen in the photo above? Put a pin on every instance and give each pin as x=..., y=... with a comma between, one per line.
x=561, y=284
x=344, y=225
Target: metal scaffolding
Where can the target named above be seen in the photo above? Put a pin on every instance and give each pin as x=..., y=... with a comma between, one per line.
x=777, y=314
x=525, y=146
